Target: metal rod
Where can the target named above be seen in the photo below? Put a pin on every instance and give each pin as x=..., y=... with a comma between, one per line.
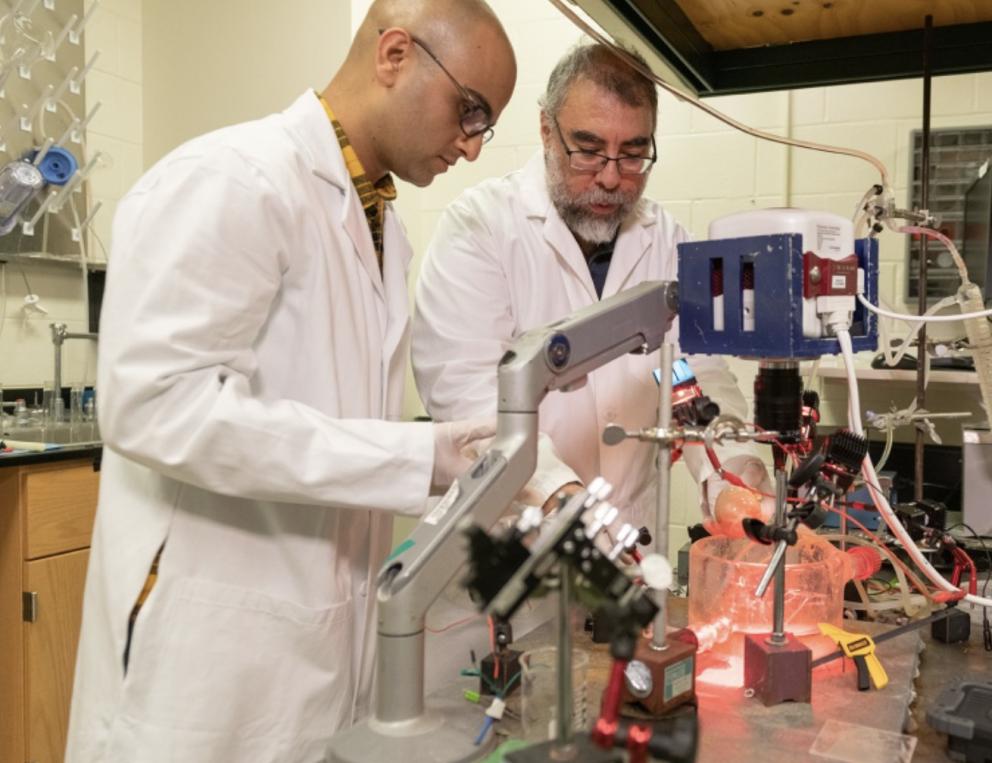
x=766, y=578
x=778, y=606
x=666, y=355
x=921, y=389
x=563, y=735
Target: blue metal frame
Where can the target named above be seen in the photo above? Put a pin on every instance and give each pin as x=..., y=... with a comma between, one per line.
x=778, y=276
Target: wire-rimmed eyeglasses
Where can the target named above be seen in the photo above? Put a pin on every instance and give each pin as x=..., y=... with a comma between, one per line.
x=583, y=160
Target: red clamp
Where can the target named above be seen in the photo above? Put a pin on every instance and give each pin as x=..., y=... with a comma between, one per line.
x=829, y=278
x=962, y=561
x=605, y=731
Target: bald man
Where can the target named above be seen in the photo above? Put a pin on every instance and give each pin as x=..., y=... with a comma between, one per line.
x=253, y=342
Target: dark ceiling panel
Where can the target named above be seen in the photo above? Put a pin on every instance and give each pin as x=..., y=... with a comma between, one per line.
x=894, y=55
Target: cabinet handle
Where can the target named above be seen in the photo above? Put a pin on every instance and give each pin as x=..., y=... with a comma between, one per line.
x=29, y=606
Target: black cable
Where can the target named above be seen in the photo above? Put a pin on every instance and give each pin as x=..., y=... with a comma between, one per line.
x=986, y=625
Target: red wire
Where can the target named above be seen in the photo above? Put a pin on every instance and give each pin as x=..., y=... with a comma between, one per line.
x=878, y=541
x=455, y=624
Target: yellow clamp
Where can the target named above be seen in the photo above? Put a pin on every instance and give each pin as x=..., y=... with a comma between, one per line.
x=860, y=648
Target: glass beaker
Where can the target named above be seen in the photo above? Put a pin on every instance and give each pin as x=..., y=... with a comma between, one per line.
x=52, y=403
x=539, y=689
x=76, y=404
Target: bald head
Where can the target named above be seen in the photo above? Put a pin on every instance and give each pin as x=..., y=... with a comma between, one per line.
x=429, y=63
x=437, y=20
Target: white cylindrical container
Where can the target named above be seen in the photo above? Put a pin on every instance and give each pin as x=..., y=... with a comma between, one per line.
x=825, y=234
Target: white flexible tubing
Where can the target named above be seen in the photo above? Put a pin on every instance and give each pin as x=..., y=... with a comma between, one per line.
x=871, y=480
x=684, y=96
x=979, y=340
x=892, y=358
x=925, y=318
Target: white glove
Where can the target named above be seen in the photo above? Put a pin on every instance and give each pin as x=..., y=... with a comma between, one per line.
x=752, y=473
x=456, y=445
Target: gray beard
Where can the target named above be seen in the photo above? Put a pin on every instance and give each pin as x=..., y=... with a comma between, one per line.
x=589, y=227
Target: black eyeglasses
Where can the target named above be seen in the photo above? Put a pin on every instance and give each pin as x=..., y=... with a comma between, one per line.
x=476, y=116
x=591, y=161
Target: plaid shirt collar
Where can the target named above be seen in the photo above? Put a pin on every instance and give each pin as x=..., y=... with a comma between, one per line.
x=373, y=196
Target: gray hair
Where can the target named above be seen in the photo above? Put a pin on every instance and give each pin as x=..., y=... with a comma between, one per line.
x=600, y=65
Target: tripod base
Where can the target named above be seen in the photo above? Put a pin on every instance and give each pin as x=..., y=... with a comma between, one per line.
x=444, y=734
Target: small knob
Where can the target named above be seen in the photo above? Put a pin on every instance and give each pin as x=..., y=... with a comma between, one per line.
x=637, y=678
x=614, y=434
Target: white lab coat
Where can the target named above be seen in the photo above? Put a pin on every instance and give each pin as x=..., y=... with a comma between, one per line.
x=502, y=262
x=251, y=372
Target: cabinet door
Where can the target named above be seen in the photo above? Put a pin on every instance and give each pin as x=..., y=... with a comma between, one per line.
x=50, y=651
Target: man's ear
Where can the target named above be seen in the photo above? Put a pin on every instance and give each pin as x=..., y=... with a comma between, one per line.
x=392, y=52
x=546, y=128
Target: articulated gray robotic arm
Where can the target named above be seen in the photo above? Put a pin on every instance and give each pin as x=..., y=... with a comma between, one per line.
x=541, y=360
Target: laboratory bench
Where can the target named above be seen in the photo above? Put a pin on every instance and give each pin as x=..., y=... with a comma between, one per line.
x=47, y=506
x=87, y=450
x=733, y=727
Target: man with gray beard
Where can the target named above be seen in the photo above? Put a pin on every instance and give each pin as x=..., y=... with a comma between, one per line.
x=570, y=228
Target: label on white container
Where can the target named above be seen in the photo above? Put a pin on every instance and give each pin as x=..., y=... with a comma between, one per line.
x=829, y=241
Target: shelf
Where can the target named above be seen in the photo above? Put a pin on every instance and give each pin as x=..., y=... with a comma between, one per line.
x=55, y=259
x=865, y=373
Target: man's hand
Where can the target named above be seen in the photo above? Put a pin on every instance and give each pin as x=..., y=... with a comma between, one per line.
x=456, y=445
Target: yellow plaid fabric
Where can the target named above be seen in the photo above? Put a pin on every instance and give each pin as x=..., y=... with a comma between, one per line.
x=372, y=195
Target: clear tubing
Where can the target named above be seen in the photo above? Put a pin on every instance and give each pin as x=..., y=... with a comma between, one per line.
x=889, y=440
x=935, y=234
x=892, y=358
x=684, y=96
x=980, y=339
x=917, y=603
x=905, y=597
x=859, y=210
x=881, y=503
x=711, y=634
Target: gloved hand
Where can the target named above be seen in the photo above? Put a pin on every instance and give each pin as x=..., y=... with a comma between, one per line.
x=725, y=514
x=456, y=445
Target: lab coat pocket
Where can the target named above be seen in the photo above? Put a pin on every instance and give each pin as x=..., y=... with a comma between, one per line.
x=219, y=665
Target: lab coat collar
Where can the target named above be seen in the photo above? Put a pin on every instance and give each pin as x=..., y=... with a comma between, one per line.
x=309, y=120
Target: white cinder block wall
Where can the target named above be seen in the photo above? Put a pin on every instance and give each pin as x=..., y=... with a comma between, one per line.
x=26, y=357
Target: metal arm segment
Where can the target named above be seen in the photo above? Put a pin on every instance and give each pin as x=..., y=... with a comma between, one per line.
x=544, y=359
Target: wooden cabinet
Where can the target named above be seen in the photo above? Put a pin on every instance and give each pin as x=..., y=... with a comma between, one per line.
x=46, y=520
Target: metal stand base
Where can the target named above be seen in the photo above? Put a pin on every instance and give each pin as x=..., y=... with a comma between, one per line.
x=444, y=734
x=673, y=671
x=582, y=750
x=778, y=673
